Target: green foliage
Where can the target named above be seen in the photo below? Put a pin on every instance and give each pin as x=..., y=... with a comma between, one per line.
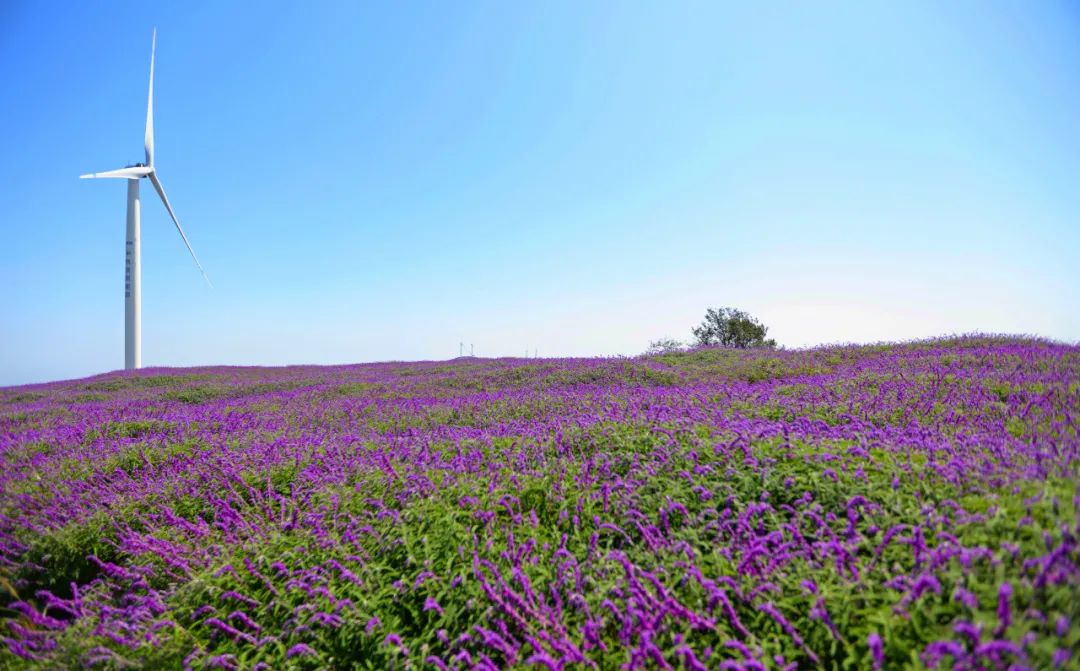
x=128, y=381
x=132, y=429
x=59, y=557
x=21, y=397
x=352, y=389
x=664, y=346
x=196, y=395
x=89, y=398
x=730, y=327
x=137, y=456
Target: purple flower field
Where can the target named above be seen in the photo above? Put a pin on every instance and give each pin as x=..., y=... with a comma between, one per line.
x=875, y=507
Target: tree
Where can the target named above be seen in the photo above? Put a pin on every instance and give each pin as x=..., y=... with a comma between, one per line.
x=664, y=346
x=732, y=328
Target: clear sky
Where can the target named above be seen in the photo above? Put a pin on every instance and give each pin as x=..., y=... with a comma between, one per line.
x=373, y=181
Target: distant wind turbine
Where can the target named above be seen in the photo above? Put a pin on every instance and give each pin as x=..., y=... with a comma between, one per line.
x=132, y=263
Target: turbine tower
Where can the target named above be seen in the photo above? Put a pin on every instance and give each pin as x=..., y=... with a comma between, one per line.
x=132, y=262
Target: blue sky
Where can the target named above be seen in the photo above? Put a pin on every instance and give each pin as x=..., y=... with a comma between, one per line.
x=372, y=181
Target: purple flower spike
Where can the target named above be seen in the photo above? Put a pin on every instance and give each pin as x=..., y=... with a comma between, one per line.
x=431, y=604
x=877, y=651
x=299, y=650
x=1004, y=612
x=1061, y=627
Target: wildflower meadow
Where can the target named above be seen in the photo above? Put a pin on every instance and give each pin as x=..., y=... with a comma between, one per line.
x=898, y=506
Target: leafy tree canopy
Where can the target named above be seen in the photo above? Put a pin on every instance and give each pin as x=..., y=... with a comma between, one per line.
x=664, y=346
x=731, y=327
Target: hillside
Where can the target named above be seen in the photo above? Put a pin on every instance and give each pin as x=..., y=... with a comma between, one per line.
x=893, y=506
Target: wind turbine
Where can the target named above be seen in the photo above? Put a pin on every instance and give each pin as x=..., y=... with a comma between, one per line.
x=132, y=263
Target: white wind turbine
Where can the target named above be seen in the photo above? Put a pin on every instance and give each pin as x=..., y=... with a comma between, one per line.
x=132, y=264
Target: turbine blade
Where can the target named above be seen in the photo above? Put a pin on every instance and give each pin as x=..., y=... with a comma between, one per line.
x=123, y=173
x=161, y=192
x=148, y=141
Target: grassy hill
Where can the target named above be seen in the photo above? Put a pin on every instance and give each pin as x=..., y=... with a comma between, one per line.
x=894, y=506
